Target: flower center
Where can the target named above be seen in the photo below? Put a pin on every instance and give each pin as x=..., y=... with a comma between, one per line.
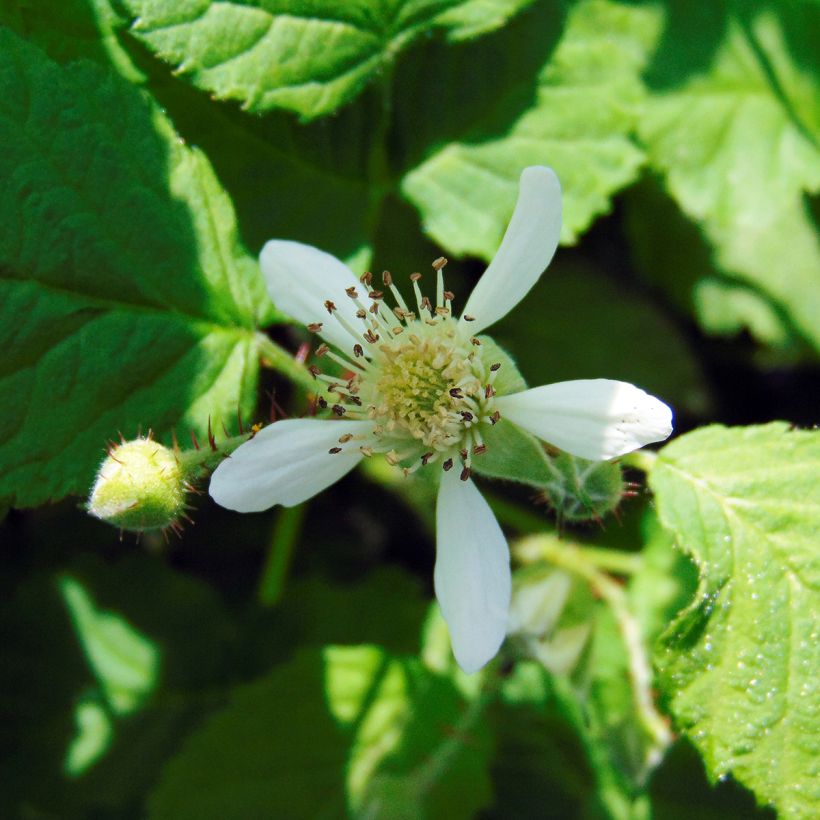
x=417, y=375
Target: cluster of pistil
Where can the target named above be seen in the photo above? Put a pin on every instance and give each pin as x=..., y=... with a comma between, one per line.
x=415, y=374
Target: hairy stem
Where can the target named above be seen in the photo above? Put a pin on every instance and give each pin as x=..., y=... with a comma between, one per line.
x=570, y=557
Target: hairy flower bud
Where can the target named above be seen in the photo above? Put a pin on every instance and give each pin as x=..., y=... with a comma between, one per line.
x=583, y=490
x=140, y=486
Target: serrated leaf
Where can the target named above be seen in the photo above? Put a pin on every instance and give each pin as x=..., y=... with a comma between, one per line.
x=738, y=147
x=309, y=57
x=586, y=104
x=126, y=299
x=362, y=724
x=739, y=665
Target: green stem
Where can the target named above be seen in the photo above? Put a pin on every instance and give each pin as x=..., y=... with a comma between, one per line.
x=643, y=460
x=570, y=557
x=206, y=457
x=280, y=554
x=611, y=560
x=279, y=359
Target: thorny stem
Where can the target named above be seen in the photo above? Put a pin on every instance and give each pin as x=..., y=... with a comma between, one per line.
x=618, y=561
x=278, y=359
x=573, y=559
x=206, y=457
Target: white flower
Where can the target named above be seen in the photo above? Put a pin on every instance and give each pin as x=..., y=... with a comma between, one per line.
x=419, y=389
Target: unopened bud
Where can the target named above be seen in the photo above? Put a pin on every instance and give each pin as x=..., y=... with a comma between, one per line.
x=583, y=490
x=539, y=622
x=140, y=486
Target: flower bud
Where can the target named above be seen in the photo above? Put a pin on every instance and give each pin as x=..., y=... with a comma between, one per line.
x=540, y=624
x=583, y=490
x=140, y=486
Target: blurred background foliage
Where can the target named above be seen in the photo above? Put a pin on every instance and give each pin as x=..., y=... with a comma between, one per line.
x=289, y=664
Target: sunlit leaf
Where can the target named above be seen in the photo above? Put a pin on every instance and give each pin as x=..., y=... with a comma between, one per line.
x=586, y=103
x=738, y=146
x=739, y=664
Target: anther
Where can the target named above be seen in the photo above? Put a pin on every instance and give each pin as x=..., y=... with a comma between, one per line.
x=448, y=465
x=465, y=474
x=426, y=457
x=376, y=294
x=314, y=327
x=366, y=451
x=494, y=367
x=314, y=371
x=489, y=391
x=330, y=306
x=358, y=352
x=345, y=438
x=466, y=415
x=439, y=263
x=495, y=417
x=475, y=341
x=468, y=318
x=366, y=278
x=426, y=304
x=463, y=453
x=477, y=450
x=338, y=409
x=352, y=292
x=321, y=402
x=322, y=350
x=334, y=450
x=456, y=393
x=387, y=278
x=414, y=277
x=361, y=313
x=442, y=311
x=371, y=337
x=449, y=295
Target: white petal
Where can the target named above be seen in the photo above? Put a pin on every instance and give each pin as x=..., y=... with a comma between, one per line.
x=527, y=248
x=472, y=577
x=301, y=278
x=596, y=419
x=286, y=463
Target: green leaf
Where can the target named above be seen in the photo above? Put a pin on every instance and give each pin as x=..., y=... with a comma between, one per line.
x=72, y=29
x=672, y=255
x=126, y=299
x=585, y=106
x=310, y=57
x=739, y=665
x=359, y=734
x=738, y=147
x=476, y=17
x=125, y=663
